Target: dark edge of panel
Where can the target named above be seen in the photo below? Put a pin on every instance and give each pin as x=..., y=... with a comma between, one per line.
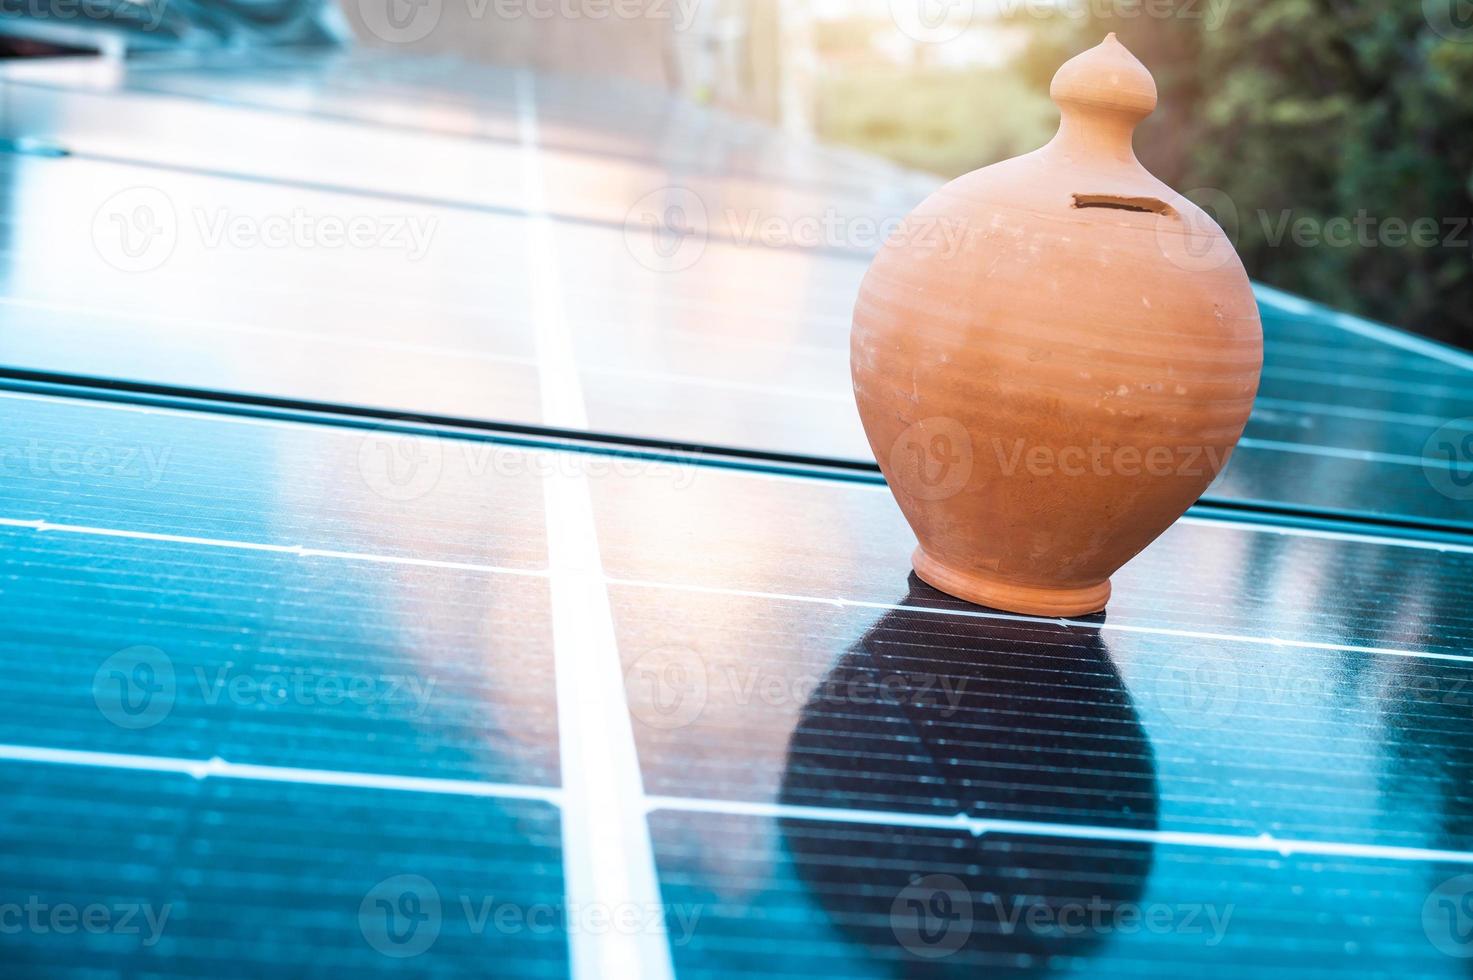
x=663, y=450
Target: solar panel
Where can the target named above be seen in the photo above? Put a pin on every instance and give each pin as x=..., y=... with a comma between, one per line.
x=751, y=371
x=375, y=610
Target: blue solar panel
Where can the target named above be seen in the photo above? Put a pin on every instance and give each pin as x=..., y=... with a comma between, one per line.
x=515, y=605
x=1347, y=408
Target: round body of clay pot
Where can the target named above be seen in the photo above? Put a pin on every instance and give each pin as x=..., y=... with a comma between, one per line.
x=1054, y=356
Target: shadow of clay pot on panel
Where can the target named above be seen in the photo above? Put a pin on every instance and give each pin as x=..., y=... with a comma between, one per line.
x=1054, y=356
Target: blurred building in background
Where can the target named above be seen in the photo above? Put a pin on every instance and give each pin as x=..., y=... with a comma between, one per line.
x=926, y=83
x=1288, y=120
x=1273, y=114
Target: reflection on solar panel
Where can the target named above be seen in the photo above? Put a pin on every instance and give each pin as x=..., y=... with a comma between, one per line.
x=513, y=590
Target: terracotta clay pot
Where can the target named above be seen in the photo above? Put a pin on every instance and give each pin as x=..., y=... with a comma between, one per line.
x=1054, y=356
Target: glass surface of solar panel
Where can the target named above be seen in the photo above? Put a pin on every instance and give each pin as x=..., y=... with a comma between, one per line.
x=1267, y=720
x=749, y=339
x=218, y=877
x=287, y=694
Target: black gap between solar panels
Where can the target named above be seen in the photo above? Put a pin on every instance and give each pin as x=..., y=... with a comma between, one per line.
x=604, y=443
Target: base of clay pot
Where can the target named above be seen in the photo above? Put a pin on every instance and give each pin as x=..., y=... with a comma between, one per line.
x=1009, y=596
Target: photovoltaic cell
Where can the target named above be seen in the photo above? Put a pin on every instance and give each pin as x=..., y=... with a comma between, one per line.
x=221, y=877
x=273, y=659
x=795, y=898
x=792, y=749
x=295, y=686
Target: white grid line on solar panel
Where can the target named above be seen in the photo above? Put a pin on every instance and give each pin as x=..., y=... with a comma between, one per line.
x=976, y=826
x=43, y=526
x=608, y=856
x=980, y=826
x=220, y=768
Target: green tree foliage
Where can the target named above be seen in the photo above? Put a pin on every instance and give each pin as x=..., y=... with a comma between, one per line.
x=1340, y=131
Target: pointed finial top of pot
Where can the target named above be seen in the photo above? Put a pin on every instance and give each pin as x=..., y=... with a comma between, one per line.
x=1106, y=77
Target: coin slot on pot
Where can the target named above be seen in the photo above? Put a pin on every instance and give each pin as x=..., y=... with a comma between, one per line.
x=1146, y=205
